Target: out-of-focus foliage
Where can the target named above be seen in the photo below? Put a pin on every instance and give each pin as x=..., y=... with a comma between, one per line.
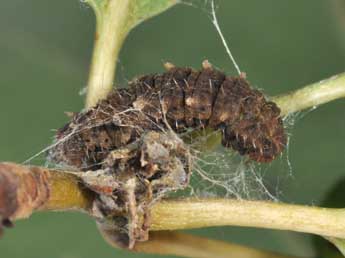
x=45, y=49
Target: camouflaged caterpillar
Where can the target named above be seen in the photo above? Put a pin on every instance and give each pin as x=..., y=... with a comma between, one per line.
x=187, y=98
x=130, y=158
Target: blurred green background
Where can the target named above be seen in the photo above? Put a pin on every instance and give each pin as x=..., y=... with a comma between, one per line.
x=45, y=49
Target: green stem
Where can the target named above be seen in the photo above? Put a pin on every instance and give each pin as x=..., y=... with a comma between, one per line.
x=114, y=20
x=312, y=95
x=65, y=193
x=180, y=244
x=200, y=213
x=111, y=31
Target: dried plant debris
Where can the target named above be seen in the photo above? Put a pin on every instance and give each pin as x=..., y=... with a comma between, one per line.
x=129, y=152
x=132, y=179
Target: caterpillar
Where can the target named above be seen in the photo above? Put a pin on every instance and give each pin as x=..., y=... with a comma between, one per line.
x=182, y=98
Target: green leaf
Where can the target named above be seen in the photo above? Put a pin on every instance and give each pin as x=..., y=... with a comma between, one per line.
x=144, y=9
x=139, y=10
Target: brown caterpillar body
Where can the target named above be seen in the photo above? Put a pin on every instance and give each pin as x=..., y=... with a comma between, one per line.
x=187, y=98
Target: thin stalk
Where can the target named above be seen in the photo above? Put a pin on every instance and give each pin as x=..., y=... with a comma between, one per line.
x=312, y=95
x=27, y=189
x=200, y=213
x=186, y=245
x=114, y=20
x=111, y=30
x=66, y=193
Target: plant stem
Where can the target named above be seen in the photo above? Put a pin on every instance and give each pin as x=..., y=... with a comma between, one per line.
x=111, y=30
x=185, y=245
x=197, y=213
x=66, y=193
x=114, y=20
x=312, y=95
x=19, y=185
x=27, y=189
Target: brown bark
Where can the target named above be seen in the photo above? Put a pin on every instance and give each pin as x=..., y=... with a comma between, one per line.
x=26, y=189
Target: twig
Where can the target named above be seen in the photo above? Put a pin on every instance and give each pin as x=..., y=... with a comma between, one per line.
x=312, y=95
x=27, y=189
x=37, y=188
x=196, y=213
x=185, y=245
x=111, y=31
x=114, y=20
